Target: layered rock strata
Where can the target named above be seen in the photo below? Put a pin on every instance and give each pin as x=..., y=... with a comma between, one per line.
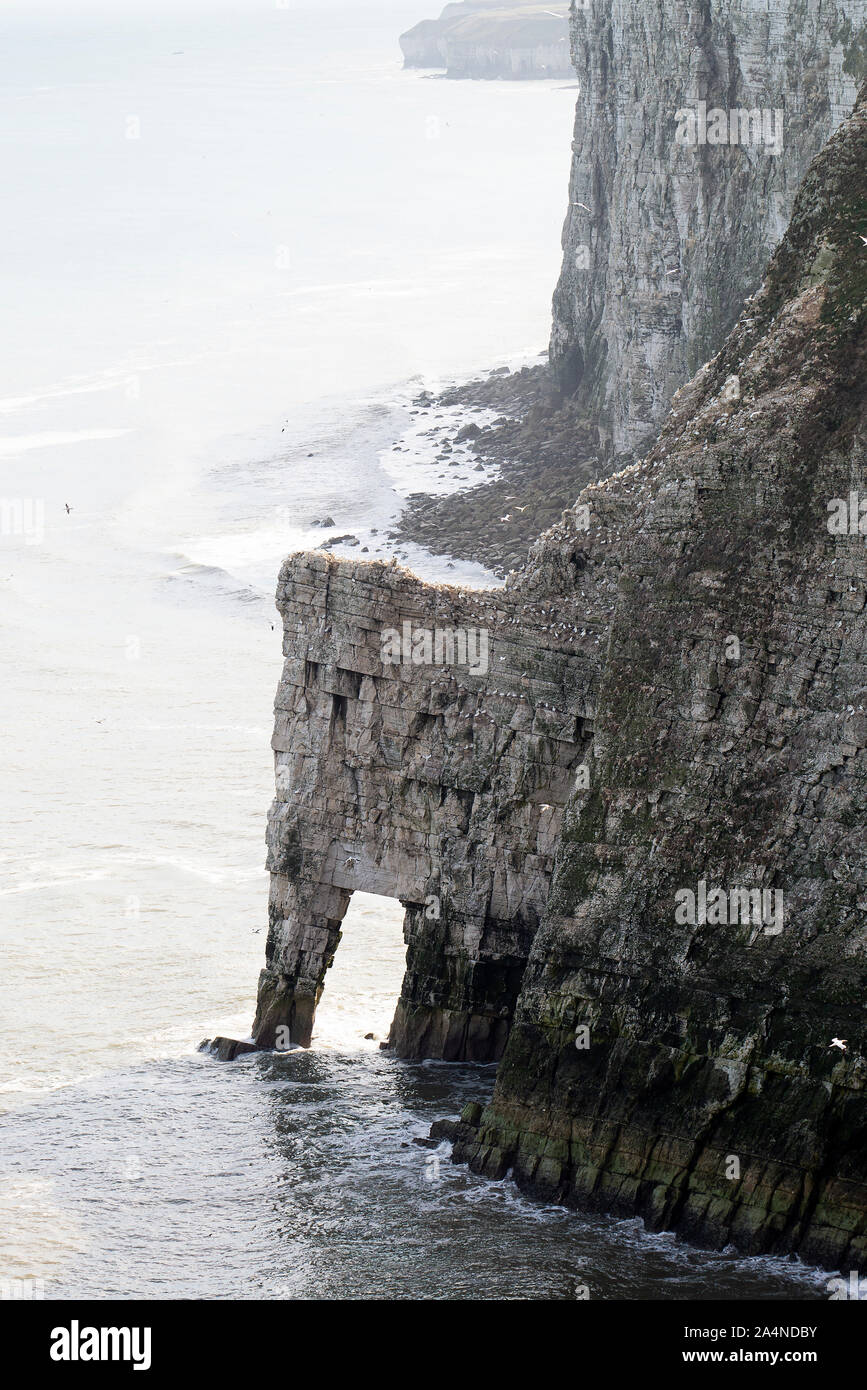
x=629, y=831
x=663, y=240
x=434, y=783
x=682, y=1064
x=672, y=709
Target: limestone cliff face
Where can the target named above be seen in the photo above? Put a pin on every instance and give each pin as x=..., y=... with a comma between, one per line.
x=664, y=241
x=493, y=39
x=671, y=703
x=431, y=782
x=730, y=750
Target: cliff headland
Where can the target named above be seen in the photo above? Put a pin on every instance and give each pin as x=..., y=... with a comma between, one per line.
x=623, y=798
x=493, y=39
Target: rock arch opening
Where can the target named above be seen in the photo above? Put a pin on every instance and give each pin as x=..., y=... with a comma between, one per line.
x=364, y=980
x=439, y=783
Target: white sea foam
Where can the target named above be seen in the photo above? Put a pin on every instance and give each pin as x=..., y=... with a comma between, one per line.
x=14, y=445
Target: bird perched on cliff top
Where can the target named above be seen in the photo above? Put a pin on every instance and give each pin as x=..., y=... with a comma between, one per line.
x=839, y=1042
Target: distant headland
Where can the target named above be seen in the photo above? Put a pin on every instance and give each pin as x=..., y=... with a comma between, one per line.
x=489, y=38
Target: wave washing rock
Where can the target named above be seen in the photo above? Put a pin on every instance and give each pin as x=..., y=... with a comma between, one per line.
x=493, y=39
x=679, y=1065
x=670, y=700
x=663, y=241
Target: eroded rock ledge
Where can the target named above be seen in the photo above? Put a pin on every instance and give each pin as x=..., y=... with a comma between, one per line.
x=433, y=784
x=735, y=763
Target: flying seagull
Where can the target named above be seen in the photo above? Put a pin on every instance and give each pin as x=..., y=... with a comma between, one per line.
x=839, y=1042
x=68, y=508
x=863, y=238
x=581, y=205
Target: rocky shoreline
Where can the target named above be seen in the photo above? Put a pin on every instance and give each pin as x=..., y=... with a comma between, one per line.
x=545, y=449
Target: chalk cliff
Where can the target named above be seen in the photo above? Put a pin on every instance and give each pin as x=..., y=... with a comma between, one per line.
x=432, y=783
x=672, y=693
x=730, y=750
x=663, y=241
x=493, y=39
